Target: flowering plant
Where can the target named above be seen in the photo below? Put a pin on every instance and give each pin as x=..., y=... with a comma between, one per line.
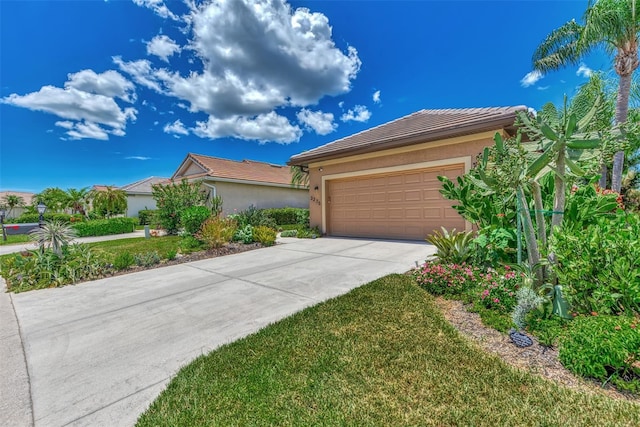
x=497, y=290
x=446, y=279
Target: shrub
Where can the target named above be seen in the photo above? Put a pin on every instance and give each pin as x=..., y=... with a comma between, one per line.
x=103, y=227
x=171, y=255
x=147, y=259
x=147, y=216
x=54, y=235
x=453, y=248
x=308, y=233
x=497, y=290
x=284, y=216
x=289, y=233
x=173, y=198
x=244, y=235
x=123, y=261
x=264, y=235
x=216, y=231
x=189, y=243
x=446, y=279
x=603, y=347
x=34, y=217
x=192, y=218
x=45, y=269
x=494, y=245
x=527, y=300
x=254, y=217
x=599, y=266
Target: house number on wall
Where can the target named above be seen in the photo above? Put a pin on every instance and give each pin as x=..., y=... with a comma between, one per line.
x=315, y=200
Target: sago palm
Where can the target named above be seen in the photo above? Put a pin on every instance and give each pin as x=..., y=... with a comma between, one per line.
x=54, y=234
x=613, y=25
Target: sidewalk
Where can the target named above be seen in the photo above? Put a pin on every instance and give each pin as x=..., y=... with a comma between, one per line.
x=19, y=247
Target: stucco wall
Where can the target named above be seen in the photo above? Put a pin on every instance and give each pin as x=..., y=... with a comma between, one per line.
x=462, y=147
x=238, y=197
x=138, y=202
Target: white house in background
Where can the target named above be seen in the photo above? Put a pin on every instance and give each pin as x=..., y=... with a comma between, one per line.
x=243, y=183
x=26, y=197
x=139, y=194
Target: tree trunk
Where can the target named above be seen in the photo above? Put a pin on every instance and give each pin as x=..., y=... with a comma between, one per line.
x=604, y=170
x=622, y=110
x=560, y=184
x=540, y=221
x=533, y=253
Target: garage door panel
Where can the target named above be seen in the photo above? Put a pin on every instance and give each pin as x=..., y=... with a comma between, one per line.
x=402, y=205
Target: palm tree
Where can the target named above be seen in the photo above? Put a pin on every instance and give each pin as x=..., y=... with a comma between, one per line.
x=299, y=177
x=77, y=199
x=612, y=24
x=12, y=201
x=110, y=201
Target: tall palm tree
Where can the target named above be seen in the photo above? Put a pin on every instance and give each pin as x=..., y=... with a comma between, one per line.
x=77, y=199
x=612, y=24
x=110, y=201
x=13, y=201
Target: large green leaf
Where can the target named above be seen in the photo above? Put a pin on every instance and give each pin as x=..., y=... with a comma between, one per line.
x=583, y=144
x=548, y=132
x=543, y=160
x=574, y=168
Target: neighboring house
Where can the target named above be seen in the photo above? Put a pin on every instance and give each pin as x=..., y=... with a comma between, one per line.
x=243, y=183
x=382, y=182
x=139, y=195
x=27, y=198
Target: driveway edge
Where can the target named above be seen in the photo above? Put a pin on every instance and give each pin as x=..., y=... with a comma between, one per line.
x=16, y=406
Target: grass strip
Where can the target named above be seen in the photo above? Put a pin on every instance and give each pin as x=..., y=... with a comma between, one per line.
x=381, y=355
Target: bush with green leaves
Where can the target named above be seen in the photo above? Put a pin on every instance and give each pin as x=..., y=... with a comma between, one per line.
x=527, y=300
x=599, y=266
x=494, y=245
x=54, y=235
x=104, y=227
x=123, y=261
x=605, y=348
x=289, y=233
x=284, y=216
x=453, y=247
x=171, y=255
x=308, y=233
x=34, y=217
x=192, y=218
x=190, y=244
x=244, y=234
x=446, y=279
x=172, y=199
x=497, y=289
x=217, y=232
x=147, y=216
x=46, y=269
x=147, y=259
x=266, y=236
x=254, y=217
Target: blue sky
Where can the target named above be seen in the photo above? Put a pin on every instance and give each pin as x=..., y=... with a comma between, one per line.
x=110, y=92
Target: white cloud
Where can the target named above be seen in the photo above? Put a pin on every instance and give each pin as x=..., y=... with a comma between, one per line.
x=158, y=7
x=321, y=123
x=84, y=111
x=137, y=158
x=543, y=87
x=584, y=71
x=110, y=84
x=358, y=114
x=163, y=47
x=376, y=97
x=531, y=78
x=176, y=128
x=256, y=56
x=263, y=128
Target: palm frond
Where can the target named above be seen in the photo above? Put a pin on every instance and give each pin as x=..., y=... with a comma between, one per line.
x=561, y=47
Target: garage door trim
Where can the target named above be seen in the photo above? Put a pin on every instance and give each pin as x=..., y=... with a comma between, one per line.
x=466, y=160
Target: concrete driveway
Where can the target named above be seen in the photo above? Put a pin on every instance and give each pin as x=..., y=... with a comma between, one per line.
x=98, y=354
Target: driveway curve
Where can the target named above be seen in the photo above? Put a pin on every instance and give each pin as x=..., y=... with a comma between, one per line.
x=98, y=354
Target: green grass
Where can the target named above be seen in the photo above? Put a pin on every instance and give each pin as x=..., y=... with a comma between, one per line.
x=136, y=245
x=15, y=239
x=380, y=355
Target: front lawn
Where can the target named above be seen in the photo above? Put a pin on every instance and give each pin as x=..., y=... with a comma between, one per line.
x=15, y=239
x=381, y=355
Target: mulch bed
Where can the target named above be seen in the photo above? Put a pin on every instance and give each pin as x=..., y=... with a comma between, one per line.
x=535, y=359
x=229, y=249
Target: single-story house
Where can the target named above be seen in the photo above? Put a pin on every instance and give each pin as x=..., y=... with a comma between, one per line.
x=26, y=197
x=382, y=182
x=241, y=184
x=139, y=194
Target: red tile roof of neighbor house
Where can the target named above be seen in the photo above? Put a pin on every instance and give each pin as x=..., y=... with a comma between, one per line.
x=244, y=170
x=418, y=127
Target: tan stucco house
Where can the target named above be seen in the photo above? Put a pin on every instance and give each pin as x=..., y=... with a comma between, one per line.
x=382, y=182
x=243, y=183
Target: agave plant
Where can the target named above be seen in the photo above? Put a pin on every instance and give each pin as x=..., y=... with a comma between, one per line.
x=452, y=247
x=53, y=234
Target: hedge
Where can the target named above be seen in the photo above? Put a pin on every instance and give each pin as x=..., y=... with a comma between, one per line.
x=288, y=215
x=103, y=227
x=60, y=217
x=146, y=216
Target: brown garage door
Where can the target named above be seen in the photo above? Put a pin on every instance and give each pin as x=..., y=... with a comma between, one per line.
x=398, y=205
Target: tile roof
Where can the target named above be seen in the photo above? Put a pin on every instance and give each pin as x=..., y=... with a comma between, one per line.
x=421, y=126
x=245, y=170
x=144, y=185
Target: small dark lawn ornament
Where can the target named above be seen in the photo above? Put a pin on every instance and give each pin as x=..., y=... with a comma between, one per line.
x=519, y=339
